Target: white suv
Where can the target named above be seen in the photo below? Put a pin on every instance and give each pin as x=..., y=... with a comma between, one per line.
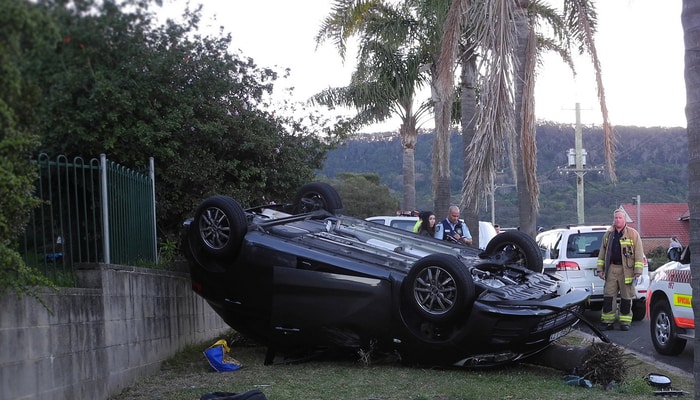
x=486, y=230
x=572, y=254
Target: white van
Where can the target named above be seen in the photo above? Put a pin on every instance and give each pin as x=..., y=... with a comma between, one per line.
x=486, y=229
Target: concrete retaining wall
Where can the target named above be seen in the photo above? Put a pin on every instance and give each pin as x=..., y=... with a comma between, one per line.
x=118, y=326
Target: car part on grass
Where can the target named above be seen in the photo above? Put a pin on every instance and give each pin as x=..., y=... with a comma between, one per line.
x=663, y=385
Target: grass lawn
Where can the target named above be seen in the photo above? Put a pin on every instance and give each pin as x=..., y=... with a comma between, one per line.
x=188, y=376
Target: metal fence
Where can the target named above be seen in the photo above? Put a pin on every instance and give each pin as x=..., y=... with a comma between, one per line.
x=95, y=211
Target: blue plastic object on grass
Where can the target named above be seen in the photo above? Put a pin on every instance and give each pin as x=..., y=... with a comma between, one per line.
x=219, y=360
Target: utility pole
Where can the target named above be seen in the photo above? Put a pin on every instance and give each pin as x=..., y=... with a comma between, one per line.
x=637, y=200
x=577, y=163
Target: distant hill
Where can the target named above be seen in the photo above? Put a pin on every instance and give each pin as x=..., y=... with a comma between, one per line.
x=650, y=162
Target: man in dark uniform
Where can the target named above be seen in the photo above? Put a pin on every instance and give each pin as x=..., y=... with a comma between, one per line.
x=451, y=228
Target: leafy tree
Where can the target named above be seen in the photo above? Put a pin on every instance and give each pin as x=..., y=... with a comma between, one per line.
x=24, y=31
x=364, y=196
x=119, y=84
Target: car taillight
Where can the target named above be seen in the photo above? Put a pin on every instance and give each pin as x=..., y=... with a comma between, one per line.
x=567, y=266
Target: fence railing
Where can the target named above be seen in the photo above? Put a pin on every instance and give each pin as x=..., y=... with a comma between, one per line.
x=95, y=211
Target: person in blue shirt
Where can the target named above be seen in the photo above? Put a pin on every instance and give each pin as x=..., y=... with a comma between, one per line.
x=452, y=229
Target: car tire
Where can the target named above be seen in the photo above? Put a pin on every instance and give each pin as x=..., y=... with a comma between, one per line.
x=639, y=309
x=317, y=196
x=530, y=255
x=218, y=227
x=439, y=288
x=664, y=331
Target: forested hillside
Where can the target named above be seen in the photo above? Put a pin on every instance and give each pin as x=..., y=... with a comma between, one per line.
x=651, y=162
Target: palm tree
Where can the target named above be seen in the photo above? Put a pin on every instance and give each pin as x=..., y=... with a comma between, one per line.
x=507, y=90
x=442, y=92
x=525, y=156
x=690, y=17
x=388, y=74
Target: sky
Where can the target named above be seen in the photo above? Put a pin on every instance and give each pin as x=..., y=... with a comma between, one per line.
x=639, y=43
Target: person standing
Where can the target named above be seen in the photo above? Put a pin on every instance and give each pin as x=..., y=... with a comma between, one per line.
x=426, y=225
x=675, y=248
x=452, y=229
x=620, y=262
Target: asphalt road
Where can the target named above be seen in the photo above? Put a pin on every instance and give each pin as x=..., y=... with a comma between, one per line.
x=638, y=340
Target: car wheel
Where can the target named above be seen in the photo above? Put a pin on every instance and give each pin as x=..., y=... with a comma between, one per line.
x=528, y=254
x=218, y=227
x=639, y=309
x=439, y=288
x=664, y=331
x=317, y=196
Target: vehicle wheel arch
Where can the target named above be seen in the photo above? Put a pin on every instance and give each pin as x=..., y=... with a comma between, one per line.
x=317, y=195
x=525, y=244
x=414, y=288
x=663, y=329
x=656, y=297
x=217, y=228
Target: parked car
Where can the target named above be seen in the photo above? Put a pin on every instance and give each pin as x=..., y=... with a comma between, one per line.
x=304, y=276
x=572, y=254
x=486, y=229
x=672, y=321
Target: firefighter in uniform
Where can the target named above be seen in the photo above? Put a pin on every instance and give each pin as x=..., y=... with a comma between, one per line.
x=620, y=262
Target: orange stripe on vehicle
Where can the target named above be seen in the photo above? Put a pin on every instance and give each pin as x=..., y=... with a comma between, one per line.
x=685, y=323
x=682, y=300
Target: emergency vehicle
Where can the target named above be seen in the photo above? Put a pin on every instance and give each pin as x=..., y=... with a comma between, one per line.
x=670, y=310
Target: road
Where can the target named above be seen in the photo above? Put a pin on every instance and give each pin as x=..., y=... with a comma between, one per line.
x=638, y=340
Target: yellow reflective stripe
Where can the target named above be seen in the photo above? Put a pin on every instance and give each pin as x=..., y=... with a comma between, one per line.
x=626, y=318
x=607, y=318
x=601, y=262
x=628, y=280
x=638, y=264
x=627, y=242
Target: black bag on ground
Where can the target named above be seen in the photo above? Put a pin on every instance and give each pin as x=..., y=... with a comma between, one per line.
x=253, y=394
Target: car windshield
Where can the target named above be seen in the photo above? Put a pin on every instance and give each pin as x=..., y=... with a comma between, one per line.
x=584, y=244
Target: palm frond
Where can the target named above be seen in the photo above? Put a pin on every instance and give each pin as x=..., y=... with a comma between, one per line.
x=583, y=21
x=495, y=32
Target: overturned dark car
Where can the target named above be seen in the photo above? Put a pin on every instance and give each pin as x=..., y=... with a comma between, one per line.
x=303, y=276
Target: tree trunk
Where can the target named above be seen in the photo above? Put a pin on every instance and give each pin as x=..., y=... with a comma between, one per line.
x=468, y=83
x=560, y=357
x=441, y=159
x=409, y=137
x=409, y=179
x=442, y=95
x=601, y=363
x=523, y=157
x=690, y=17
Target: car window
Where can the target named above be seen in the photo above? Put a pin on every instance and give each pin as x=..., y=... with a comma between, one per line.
x=548, y=244
x=584, y=244
x=406, y=225
x=377, y=220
